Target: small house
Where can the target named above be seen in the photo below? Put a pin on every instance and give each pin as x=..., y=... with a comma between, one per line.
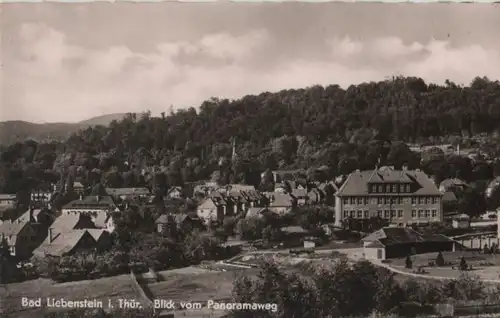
x=461, y=221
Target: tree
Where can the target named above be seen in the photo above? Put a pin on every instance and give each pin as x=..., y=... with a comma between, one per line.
x=440, y=259
x=472, y=203
x=408, y=262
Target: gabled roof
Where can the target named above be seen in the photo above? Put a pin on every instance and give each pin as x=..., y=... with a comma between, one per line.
x=449, y=196
x=255, y=212
x=97, y=233
x=26, y=216
x=12, y=229
x=282, y=200
x=63, y=243
x=357, y=182
x=299, y=193
x=66, y=222
x=452, y=182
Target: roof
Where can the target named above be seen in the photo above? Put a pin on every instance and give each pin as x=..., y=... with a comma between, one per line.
x=254, y=212
x=452, y=182
x=299, y=193
x=449, y=196
x=402, y=235
x=92, y=202
x=77, y=184
x=96, y=233
x=4, y=196
x=101, y=219
x=25, y=217
x=127, y=191
x=178, y=218
x=282, y=200
x=293, y=229
x=357, y=182
x=63, y=243
x=66, y=222
x=240, y=187
x=12, y=228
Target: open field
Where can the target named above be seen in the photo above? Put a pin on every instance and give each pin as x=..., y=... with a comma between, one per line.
x=102, y=289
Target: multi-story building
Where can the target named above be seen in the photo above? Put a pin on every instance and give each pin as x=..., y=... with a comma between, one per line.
x=401, y=196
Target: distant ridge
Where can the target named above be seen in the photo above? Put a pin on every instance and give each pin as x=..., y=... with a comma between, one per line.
x=16, y=130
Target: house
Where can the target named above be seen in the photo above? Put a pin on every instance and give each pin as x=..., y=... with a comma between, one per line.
x=461, y=221
x=400, y=196
x=7, y=201
x=182, y=222
x=175, y=193
x=294, y=235
x=66, y=243
x=128, y=194
x=213, y=208
x=91, y=205
x=300, y=195
x=315, y=196
x=280, y=188
x=396, y=242
x=20, y=236
x=42, y=195
x=282, y=203
x=452, y=185
x=69, y=222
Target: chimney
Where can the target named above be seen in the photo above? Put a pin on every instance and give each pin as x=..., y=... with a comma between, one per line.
x=51, y=235
x=97, y=198
x=81, y=196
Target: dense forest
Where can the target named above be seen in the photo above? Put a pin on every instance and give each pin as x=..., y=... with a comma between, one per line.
x=325, y=130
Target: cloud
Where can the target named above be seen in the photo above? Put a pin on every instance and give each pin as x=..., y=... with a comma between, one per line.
x=54, y=79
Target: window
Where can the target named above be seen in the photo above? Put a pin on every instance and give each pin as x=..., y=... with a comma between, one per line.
x=386, y=200
x=365, y=201
x=360, y=214
x=366, y=214
x=421, y=200
x=352, y=200
x=359, y=201
x=380, y=200
x=394, y=188
x=393, y=200
x=434, y=213
x=393, y=213
x=420, y=213
x=407, y=186
x=380, y=188
x=400, y=200
x=402, y=188
x=346, y=214
x=388, y=188
x=374, y=188
x=427, y=213
x=413, y=200
x=435, y=200
x=386, y=214
x=346, y=201
x=352, y=213
x=379, y=213
x=400, y=213
x=428, y=200
x=413, y=214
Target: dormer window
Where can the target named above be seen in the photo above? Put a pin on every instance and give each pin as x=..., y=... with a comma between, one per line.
x=388, y=188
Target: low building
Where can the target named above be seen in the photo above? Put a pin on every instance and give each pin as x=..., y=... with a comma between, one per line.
x=175, y=193
x=461, y=221
x=127, y=194
x=182, y=222
x=92, y=205
x=42, y=195
x=300, y=196
x=212, y=209
x=7, y=201
x=398, y=242
x=452, y=185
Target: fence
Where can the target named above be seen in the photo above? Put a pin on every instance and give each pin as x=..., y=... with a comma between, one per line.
x=138, y=287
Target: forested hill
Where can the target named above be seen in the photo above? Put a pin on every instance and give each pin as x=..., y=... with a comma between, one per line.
x=317, y=127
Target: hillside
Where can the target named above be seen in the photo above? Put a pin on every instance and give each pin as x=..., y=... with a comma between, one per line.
x=13, y=131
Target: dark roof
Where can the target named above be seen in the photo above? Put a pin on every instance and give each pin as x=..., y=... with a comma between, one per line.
x=449, y=196
x=92, y=202
x=127, y=191
x=452, y=182
x=357, y=182
x=63, y=243
x=402, y=235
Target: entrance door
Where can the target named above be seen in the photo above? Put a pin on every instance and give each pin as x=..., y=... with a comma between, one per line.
x=379, y=253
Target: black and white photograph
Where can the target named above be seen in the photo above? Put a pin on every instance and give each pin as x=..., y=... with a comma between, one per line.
x=249, y=160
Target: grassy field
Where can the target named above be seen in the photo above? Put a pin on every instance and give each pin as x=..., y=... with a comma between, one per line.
x=101, y=289
x=472, y=257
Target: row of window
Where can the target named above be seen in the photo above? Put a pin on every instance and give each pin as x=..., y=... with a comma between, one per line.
x=390, y=188
x=391, y=200
x=386, y=214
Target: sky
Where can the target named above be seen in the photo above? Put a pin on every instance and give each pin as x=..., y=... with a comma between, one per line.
x=69, y=62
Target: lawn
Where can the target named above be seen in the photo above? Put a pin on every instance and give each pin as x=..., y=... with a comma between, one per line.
x=197, y=287
x=101, y=289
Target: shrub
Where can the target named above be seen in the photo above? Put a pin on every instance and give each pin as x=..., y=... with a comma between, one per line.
x=409, y=263
x=440, y=259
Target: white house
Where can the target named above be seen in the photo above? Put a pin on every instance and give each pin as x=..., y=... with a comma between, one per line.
x=461, y=221
x=212, y=209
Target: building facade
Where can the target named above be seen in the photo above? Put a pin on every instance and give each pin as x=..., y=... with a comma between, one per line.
x=402, y=197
